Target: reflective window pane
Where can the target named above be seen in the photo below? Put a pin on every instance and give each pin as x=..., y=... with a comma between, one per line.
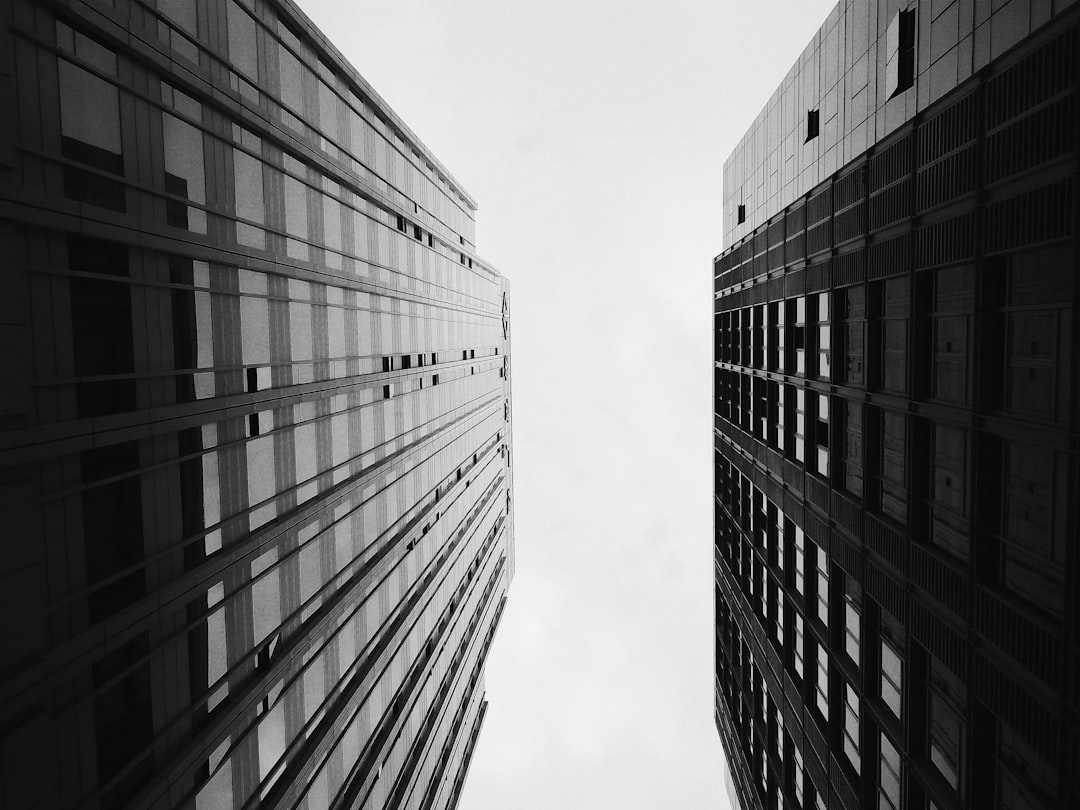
x=248, y=181
x=243, y=53
x=291, y=77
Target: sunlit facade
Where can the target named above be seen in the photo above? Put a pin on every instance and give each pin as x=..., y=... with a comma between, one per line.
x=896, y=422
x=255, y=423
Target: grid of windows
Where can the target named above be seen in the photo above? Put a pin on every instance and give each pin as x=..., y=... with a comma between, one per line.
x=893, y=375
x=284, y=536
x=893, y=378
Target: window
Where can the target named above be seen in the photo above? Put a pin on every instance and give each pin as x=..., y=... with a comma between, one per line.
x=851, y=726
x=889, y=769
x=741, y=214
x=948, y=501
x=892, y=679
x=90, y=122
x=248, y=188
x=798, y=777
x=821, y=682
x=822, y=586
x=900, y=53
x=290, y=74
x=893, y=465
x=328, y=110
x=112, y=522
x=812, y=125
x=946, y=737
x=853, y=438
x=954, y=293
x=780, y=537
x=799, y=558
x=853, y=334
x=821, y=435
x=798, y=643
x=1033, y=555
x=800, y=425
x=184, y=173
x=1026, y=780
x=896, y=307
x=243, y=53
x=799, y=333
x=780, y=617
x=1032, y=288
x=124, y=721
x=824, y=347
x=852, y=630
x=101, y=326
x=781, y=416
x=296, y=217
x=776, y=318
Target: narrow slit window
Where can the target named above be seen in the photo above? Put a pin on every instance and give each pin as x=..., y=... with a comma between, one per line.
x=813, y=126
x=900, y=53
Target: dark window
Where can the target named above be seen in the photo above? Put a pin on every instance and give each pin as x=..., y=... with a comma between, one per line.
x=388, y=364
x=953, y=300
x=184, y=173
x=90, y=128
x=101, y=326
x=812, y=125
x=189, y=443
x=184, y=323
x=741, y=214
x=896, y=307
x=1033, y=556
x=946, y=704
x=1027, y=781
x=123, y=722
x=900, y=53
x=893, y=468
x=112, y=528
x=853, y=444
x=406, y=361
x=1032, y=287
x=948, y=497
x=853, y=334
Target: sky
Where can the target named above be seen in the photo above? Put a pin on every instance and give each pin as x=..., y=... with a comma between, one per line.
x=593, y=135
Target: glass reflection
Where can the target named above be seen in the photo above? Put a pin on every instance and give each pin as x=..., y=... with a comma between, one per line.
x=243, y=51
x=291, y=77
x=184, y=173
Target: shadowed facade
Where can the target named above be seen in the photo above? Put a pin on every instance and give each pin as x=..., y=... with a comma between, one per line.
x=896, y=421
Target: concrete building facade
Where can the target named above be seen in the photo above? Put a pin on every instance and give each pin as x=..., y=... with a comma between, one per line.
x=255, y=423
x=897, y=431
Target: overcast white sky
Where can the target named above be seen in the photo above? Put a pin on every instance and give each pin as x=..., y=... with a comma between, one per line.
x=593, y=134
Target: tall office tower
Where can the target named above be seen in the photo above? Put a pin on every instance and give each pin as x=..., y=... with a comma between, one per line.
x=254, y=424
x=897, y=438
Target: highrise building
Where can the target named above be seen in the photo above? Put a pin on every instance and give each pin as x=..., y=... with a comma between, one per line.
x=254, y=425
x=897, y=442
